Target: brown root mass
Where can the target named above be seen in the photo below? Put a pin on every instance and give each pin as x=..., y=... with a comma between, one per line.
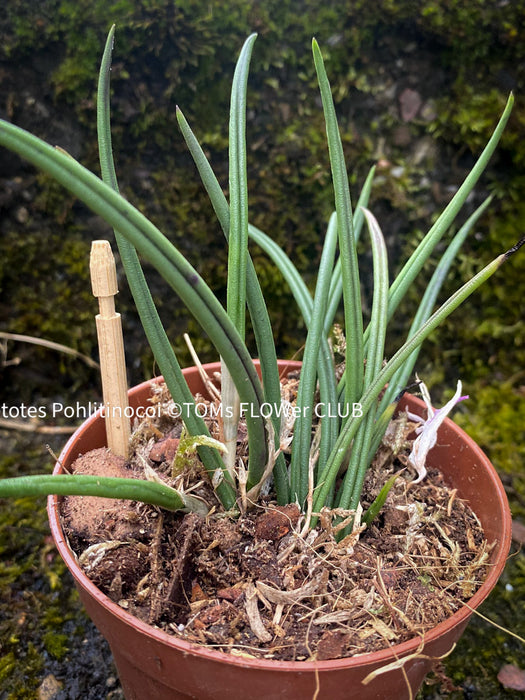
x=97, y=519
x=255, y=586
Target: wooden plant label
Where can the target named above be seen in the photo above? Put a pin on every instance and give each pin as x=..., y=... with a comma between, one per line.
x=111, y=348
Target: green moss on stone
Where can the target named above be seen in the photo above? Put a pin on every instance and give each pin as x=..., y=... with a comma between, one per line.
x=56, y=644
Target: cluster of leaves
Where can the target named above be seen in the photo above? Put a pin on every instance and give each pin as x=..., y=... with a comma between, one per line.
x=309, y=481
x=184, y=55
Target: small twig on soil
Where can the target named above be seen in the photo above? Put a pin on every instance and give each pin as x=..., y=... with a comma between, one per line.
x=253, y=615
x=307, y=590
x=156, y=582
x=314, y=454
x=395, y=611
x=188, y=529
x=65, y=470
x=242, y=478
x=453, y=494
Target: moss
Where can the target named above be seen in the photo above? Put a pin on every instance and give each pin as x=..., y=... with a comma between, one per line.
x=7, y=665
x=185, y=55
x=54, y=303
x=56, y=644
x=24, y=557
x=42, y=626
x=495, y=420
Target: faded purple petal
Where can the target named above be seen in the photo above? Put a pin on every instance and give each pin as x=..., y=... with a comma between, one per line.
x=427, y=437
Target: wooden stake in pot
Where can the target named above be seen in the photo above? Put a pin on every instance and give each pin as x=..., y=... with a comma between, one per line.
x=111, y=348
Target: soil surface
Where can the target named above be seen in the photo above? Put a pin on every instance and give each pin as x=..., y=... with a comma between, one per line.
x=265, y=584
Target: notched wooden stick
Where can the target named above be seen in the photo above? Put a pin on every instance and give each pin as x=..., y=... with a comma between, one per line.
x=111, y=348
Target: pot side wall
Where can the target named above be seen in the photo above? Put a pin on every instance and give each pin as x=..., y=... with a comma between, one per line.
x=153, y=664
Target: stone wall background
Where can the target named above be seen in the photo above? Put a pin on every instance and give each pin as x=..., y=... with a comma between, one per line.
x=418, y=88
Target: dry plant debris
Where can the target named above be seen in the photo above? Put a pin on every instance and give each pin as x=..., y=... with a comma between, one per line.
x=257, y=585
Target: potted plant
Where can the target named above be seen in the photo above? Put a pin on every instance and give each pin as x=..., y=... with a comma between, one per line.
x=319, y=462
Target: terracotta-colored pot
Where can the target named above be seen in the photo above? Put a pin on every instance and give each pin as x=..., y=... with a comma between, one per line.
x=153, y=665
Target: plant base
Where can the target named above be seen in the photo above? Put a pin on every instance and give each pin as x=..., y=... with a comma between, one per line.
x=152, y=663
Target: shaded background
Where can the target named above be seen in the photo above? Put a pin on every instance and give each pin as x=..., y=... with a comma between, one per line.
x=418, y=88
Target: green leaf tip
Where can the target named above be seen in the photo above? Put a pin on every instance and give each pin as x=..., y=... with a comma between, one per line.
x=380, y=499
x=316, y=51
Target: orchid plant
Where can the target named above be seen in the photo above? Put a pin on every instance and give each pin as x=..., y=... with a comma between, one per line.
x=344, y=440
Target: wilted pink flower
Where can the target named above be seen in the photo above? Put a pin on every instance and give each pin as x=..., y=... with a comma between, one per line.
x=427, y=431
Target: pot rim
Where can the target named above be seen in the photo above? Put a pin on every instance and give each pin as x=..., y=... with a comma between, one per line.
x=403, y=649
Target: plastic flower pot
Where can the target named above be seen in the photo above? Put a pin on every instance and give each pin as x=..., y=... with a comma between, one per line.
x=153, y=664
